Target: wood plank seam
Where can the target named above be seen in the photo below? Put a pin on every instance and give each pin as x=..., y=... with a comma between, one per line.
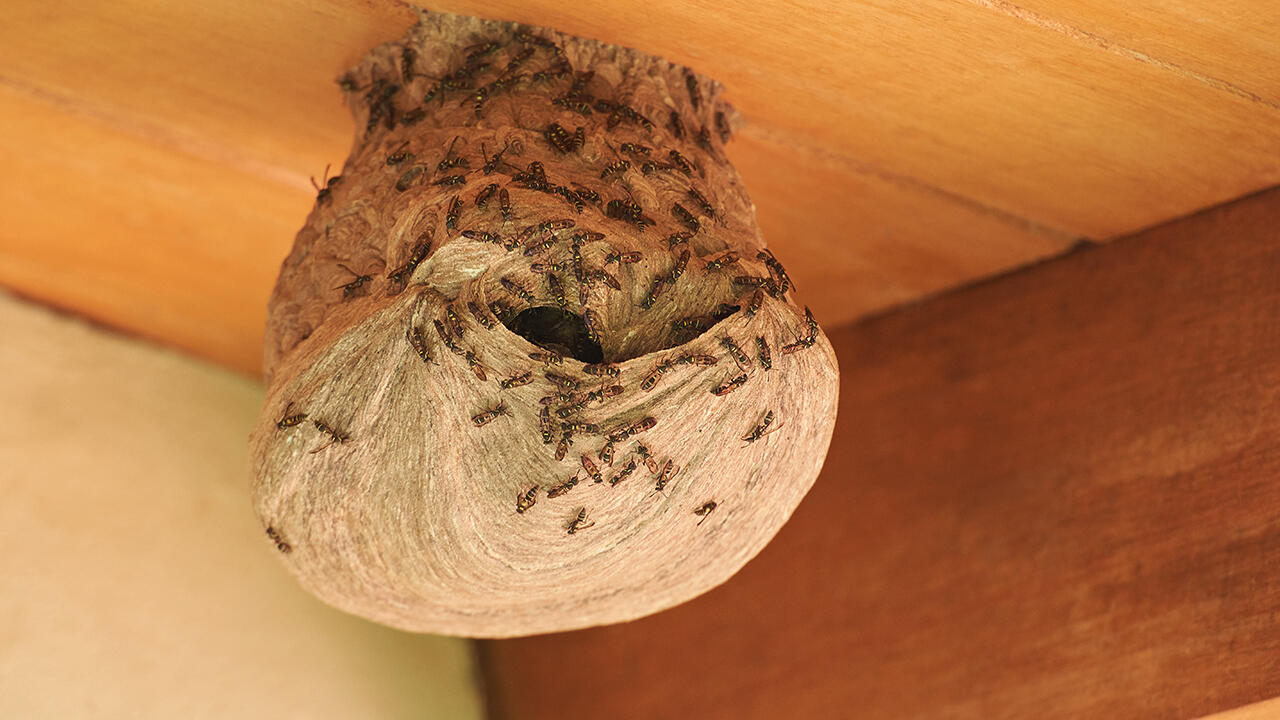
x=843, y=162
x=1036, y=19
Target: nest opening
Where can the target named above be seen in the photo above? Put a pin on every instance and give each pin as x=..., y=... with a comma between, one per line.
x=557, y=330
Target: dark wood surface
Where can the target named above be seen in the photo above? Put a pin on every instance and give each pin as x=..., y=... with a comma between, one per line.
x=1054, y=494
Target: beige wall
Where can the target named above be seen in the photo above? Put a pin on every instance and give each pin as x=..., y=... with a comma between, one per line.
x=135, y=580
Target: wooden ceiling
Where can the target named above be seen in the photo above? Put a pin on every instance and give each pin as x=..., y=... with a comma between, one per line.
x=157, y=154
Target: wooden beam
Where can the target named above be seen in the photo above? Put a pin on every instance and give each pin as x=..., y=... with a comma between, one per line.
x=1049, y=495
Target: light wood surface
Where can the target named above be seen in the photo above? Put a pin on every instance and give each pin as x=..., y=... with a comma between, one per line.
x=1050, y=495
x=157, y=154
x=137, y=581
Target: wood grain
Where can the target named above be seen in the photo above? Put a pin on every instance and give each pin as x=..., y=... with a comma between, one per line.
x=893, y=151
x=961, y=98
x=1234, y=46
x=1049, y=495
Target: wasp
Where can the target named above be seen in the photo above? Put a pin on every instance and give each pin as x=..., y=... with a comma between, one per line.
x=809, y=339
x=517, y=60
x=557, y=397
x=624, y=473
x=516, y=381
x=516, y=290
x=483, y=197
x=401, y=274
x=455, y=322
x=447, y=340
x=607, y=278
x=678, y=238
x=652, y=378
x=681, y=162
x=760, y=430
x=584, y=428
x=699, y=360
x=482, y=236
x=278, y=539
x=534, y=176
x=703, y=203
x=776, y=268
x=288, y=420
x=673, y=122
x=730, y=386
x=724, y=310
x=485, y=321
x=634, y=149
x=592, y=469
x=451, y=216
x=648, y=458
x=418, y=343
x=616, y=168
x=563, y=487
x=544, y=425
x=728, y=258
x=704, y=139
x=577, y=523
x=650, y=167
x=573, y=103
x=559, y=138
x=722, y=127
x=557, y=291
x=601, y=370
x=474, y=363
x=587, y=194
x=499, y=310
x=606, y=454
x=682, y=214
x=696, y=325
x=592, y=322
x=655, y=290
x=325, y=186
x=753, y=305
x=547, y=358
x=400, y=155
x=546, y=267
x=335, y=436
x=548, y=225
x=526, y=499
x=452, y=162
x=678, y=269
x=562, y=380
x=691, y=83
x=704, y=510
x=753, y=281
x=451, y=180
x=623, y=258
x=491, y=163
x=490, y=415
x=627, y=211
x=408, y=177
x=569, y=196
x=352, y=288
x=542, y=246
x=766, y=358
x=504, y=204
x=668, y=471
x=744, y=362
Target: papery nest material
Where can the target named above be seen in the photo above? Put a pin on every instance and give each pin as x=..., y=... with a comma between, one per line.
x=530, y=366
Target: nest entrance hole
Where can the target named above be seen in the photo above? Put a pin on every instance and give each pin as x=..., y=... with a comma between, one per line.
x=557, y=330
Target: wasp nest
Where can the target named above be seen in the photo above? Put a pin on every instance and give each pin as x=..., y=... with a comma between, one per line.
x=530, y=366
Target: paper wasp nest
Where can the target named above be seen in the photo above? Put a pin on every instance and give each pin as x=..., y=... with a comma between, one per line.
x=530, y=367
